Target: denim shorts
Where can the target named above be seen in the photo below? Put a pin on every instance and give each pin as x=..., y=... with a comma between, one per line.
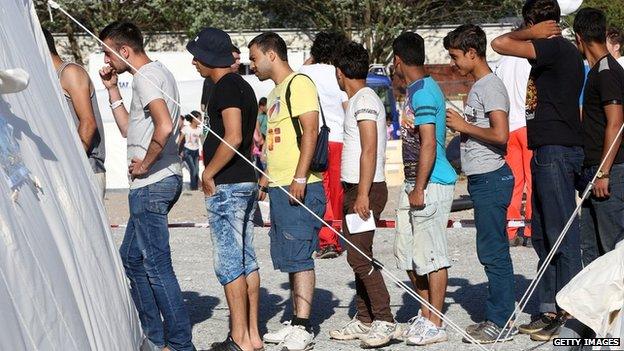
x=230, y=215
x=294, y=231
x=420, y=243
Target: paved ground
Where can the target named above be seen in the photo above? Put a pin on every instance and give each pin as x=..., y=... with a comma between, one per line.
x=333, y=304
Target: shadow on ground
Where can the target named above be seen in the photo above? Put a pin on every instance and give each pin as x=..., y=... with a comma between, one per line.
x=200, y=307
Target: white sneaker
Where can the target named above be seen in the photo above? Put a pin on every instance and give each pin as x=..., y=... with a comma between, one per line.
x=429, y=333
x=350, y=331
x=297, y=340
x=278, y=336
x=412, y=328
x=380, y=334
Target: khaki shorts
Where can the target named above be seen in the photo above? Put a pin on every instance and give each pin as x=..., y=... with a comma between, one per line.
x=420, y=244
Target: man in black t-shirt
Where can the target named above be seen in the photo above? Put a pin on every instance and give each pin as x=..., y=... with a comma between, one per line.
x=554, y=135
x=230, y=185
x=602, y=217
x=209, y=85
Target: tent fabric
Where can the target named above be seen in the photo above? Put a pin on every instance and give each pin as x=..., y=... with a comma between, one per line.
x=595, y=296
x=62, y=285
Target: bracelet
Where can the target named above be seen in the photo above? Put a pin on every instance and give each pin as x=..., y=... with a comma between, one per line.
x=300, y=180
x=262, y=188
x=116, y=104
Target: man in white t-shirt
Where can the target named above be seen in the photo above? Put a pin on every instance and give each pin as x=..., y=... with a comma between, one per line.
x=155, y=183
x=332, y=103
x=615, y=39
x=365, y=195
x=514, y=72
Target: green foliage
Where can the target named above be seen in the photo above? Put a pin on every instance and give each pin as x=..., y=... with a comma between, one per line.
x=613, y=9
x=374, y=22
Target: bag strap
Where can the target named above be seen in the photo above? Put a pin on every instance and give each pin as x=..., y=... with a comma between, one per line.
x=295, y=120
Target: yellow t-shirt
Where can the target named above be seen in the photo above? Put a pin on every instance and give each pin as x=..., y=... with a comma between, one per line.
x=282, y=150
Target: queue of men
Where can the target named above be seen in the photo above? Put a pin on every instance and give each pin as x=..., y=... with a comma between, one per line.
x=568, y=151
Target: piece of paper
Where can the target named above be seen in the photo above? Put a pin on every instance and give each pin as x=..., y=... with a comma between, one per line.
x=358, y=225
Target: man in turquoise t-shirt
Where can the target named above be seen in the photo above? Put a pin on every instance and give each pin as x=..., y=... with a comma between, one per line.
x=427, y=195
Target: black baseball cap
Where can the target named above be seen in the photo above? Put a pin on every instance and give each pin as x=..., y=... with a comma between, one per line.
x=212, y=47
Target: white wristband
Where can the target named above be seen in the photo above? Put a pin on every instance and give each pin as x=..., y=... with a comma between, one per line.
x=300, y=180
x=116, y=104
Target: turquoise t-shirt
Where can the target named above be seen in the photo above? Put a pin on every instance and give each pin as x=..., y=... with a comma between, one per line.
x=426, y=105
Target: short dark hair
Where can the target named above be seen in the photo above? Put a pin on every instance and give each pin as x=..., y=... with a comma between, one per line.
x=614, y=36
x=536, y=11
x=124, y=33
x=50, y=41
x=235, y=49
x=196, y=114
x=591, y=25
x=262, y=101
x=352, y=60
x=325, y=46
x=271, y=41
x=410, y=47
x=466, y=37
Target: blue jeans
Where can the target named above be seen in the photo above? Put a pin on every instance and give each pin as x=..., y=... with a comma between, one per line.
x=146, y=257
x=294, y=231
x=191, y=158
x=491, y=195
x=555, y=170
x=602, y=220
x=230, y=214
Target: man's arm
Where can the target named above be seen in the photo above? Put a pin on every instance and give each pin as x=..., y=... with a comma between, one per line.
x=309, y=125
x=497, y=133
x=232, y=122
x=518, y=43
x=109, y=79
x=163, y=127
x=368, y=164
x=75, y=81
x=426, y=160
x=615, y=118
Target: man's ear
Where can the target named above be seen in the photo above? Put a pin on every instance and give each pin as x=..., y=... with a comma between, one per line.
x=271, y=55
x=471, y=53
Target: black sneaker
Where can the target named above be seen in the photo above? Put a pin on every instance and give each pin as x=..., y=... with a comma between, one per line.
x=487, y=333
x=328, y=251
x=551, y=331
x=227, y=345
x=536, y=325
x=516, y=241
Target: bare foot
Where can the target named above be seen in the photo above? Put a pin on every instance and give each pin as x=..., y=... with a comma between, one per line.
x=257, y=343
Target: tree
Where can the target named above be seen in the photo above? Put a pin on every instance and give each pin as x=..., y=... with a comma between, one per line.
x=187, y=16
x=377, y=22
x=613, y=9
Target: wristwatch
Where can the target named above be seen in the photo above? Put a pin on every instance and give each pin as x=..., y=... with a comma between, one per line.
x=602, y=175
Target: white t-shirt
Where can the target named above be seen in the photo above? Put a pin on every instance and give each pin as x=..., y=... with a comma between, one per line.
x=192, y=137
x=141, y=125
x=364, y=105
x=324, y=77
x=514, y=72
x=621, y=61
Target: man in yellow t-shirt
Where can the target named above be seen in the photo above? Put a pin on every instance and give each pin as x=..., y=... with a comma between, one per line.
x=294, y=230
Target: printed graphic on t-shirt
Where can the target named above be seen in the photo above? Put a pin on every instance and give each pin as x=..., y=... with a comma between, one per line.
x=274, y=109
x=531, y=99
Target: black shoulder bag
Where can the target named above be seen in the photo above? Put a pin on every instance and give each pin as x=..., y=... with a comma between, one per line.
x=320, y=159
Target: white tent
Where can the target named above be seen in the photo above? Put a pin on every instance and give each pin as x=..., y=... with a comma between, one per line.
x=62, y=286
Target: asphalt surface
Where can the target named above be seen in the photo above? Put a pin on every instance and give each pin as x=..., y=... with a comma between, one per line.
x=334, y=296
